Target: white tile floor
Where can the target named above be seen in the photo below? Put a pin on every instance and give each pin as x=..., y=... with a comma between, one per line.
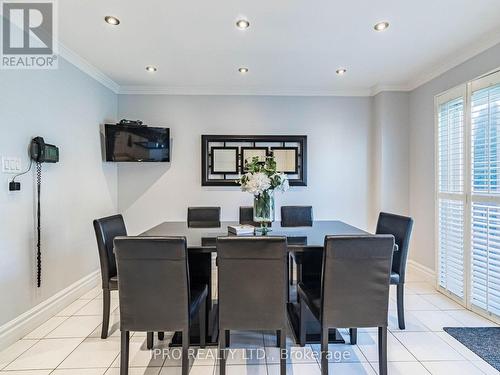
x=69, y=344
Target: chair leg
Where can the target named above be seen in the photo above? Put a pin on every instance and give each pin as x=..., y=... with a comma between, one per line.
x=382, y=350
x=149, y=340
x=298, y=270
x=161, y=336
x=223, y=334
x=203, y=326
x=302, y=324
x=228, y=337
x=125, y=340
x=401, y=306
x=106, y=300
x=288, y=289
x=185, y=352
x=324, y=350
x=353, y=333
x=282, y=343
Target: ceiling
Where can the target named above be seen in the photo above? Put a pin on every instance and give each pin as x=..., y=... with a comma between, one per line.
x=291, y=47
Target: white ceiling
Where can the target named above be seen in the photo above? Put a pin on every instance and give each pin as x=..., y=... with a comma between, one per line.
x=292, y=46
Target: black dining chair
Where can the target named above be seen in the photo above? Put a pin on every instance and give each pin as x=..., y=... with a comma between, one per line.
x=106, y=229
x=252, y=288
x=354, y=290
x=155, y=292
x=400, y=227
x=246, y=216
x=296, y=216
x=203, y=217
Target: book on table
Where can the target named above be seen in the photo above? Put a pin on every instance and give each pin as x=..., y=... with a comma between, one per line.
x=241, y=229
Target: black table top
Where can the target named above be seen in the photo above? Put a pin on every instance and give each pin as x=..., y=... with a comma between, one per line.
x=299, y=238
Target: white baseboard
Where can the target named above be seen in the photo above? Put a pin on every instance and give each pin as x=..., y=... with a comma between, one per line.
x=425, y=272
x=20, y=326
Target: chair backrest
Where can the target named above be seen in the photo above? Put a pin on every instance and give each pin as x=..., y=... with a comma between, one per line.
x=203, y=217
x=400, y=227
x=296, y=216
x=355, y=280
x=106, y=229
x=153, y=283
x=252, y=282
x=246, y=216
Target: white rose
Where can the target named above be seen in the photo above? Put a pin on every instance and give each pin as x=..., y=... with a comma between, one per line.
x=257, y=183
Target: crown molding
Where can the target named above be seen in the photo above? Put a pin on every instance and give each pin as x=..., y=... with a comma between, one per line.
x=86, y=67
x=378, y=88
x=261, y=91
x=453, y=60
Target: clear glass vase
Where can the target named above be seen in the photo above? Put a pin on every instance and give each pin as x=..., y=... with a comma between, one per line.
x=263, y=210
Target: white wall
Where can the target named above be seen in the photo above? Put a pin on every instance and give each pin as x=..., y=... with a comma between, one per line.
x=339, y=154
x=65, y=106
x=422, y=148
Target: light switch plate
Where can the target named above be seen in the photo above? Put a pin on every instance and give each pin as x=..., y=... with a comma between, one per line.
x=11, y=165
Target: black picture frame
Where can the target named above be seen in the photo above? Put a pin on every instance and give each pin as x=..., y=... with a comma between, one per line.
x=212, y=165
x=296, y=150
x=283, y=140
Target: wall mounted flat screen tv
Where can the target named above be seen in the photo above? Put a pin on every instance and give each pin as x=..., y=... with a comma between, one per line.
x=131, y=143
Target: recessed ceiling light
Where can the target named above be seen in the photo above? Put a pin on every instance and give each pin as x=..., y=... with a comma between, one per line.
x=341, y=71
x=112, y=20
x=242, y=24
x=151, y=68
x=381, y=26
x=243, y=70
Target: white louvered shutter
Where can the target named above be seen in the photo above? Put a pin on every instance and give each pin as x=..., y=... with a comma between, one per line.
x=450, y=191
x=485, y=186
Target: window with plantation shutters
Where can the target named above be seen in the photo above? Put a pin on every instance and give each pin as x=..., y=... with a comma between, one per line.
x=468, y=194
x=450, y=189
x=485, y=116
x=451, y=146
x=485, y=194
x=485, y=273
x=451, y=246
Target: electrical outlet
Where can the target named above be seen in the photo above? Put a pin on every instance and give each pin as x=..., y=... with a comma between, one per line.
x=14, y=186
x=11, y=165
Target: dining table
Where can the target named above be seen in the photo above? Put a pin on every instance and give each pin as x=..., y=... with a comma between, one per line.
x=306, y=244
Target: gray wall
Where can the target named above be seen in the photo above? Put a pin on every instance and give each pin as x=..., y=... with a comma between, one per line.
x=339, y=154
x=391, y=152
x=422, y=148
x=65, y=106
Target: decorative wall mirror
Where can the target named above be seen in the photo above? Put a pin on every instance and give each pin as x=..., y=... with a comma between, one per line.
x=224, y=160
x=224, y=157
x=287, y=159
x=248, y=153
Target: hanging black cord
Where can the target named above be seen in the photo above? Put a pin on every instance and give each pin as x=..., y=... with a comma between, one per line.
x=26, y=171
x=38, y=252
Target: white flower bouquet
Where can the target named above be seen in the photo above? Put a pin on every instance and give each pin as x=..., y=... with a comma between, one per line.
x=261, y=180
